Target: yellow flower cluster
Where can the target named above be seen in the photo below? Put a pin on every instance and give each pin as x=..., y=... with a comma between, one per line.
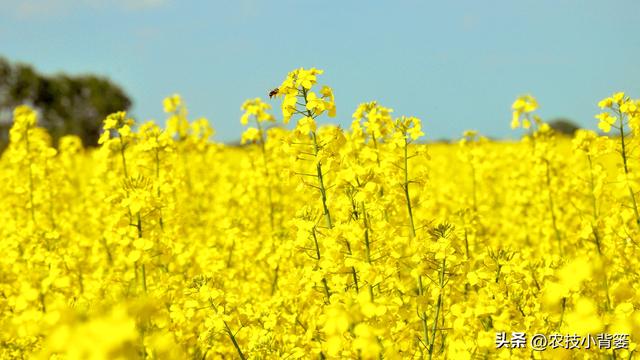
x=523, y=105
x=317, y=241
x=298, y=86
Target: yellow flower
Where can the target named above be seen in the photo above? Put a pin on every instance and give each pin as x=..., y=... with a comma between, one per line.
x=306, y=125
x=605, y=103
x=250, y=135
x=172, y=103
x=24, y=116
x=618, y=97
x=525, y=104
x=288, y=107
x=515, y=120
x=584, y=139
x=314, y=104
x=306, y=78
x=606, y=121
x=256, y=108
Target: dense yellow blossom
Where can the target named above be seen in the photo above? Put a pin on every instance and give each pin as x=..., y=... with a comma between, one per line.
x=317, y=241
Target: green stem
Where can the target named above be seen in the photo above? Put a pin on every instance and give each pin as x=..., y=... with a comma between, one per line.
x=103, y=240
x=466, y=242
x=139, y=225
x=406, y=185
x=367, y=243
x=274, y=284
x=144, y=277
x=325, y=285
x=124, y=159
x=316, y=152
x=626, y=167
x=327, y=292
x=315, y=242
x=233, y=340
x=434, y=328
x=323, y=191
x=594, y=228
x=144, y=270
x=323, y=194
x=354, y=275
x=230, y=255
x=425, y=326
x=564, y=306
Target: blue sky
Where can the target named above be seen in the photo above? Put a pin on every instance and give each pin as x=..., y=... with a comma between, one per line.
x=457, y=65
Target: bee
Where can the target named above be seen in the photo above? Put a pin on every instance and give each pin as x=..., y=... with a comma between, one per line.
x=273, y=93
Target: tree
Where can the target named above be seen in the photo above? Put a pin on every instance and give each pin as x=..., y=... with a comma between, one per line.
x=66, y=104
x=564, y=126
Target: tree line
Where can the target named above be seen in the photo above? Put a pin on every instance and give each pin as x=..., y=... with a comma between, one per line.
x=66, y=104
